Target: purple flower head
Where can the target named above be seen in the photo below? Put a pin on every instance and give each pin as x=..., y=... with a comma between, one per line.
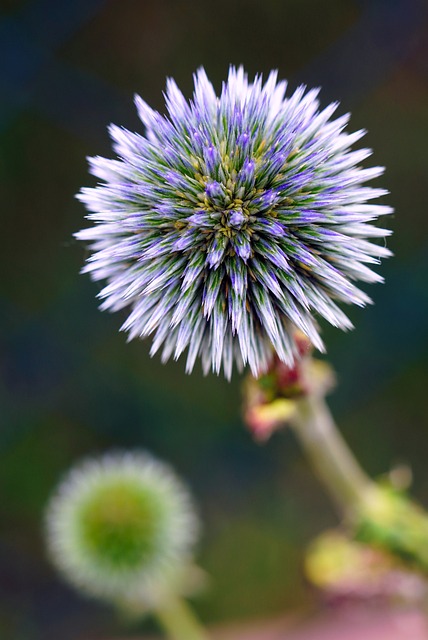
x=232, y=222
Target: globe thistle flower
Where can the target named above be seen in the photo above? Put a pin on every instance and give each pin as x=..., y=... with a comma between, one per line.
x=121, y=527
x=232, y=221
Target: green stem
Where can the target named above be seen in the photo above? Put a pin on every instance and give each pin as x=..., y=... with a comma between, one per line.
x=179, y=621
x=329, y=454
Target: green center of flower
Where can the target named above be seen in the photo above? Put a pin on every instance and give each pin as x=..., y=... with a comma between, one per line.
x=119, y=525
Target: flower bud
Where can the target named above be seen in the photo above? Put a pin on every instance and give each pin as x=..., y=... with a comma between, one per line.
x=121, y=527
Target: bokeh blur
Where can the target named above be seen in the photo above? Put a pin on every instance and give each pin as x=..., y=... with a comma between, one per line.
x=70, y=385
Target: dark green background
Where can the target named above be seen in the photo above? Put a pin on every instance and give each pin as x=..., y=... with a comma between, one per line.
x=70, y=385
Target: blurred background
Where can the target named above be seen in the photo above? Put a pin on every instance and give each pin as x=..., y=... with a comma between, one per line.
x=70, y=385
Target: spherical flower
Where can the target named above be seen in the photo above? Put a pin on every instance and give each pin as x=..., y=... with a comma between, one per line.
x=122, y=527
x=232, y=221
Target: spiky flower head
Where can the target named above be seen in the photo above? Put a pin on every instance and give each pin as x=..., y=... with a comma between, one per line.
x=234, y=220
x=121, y=527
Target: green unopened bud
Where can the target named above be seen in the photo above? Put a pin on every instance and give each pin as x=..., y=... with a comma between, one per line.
x=121, y=528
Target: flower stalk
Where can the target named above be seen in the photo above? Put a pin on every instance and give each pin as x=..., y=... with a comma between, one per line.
x=179, y=621
x=331, y=458
x=376, y=512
